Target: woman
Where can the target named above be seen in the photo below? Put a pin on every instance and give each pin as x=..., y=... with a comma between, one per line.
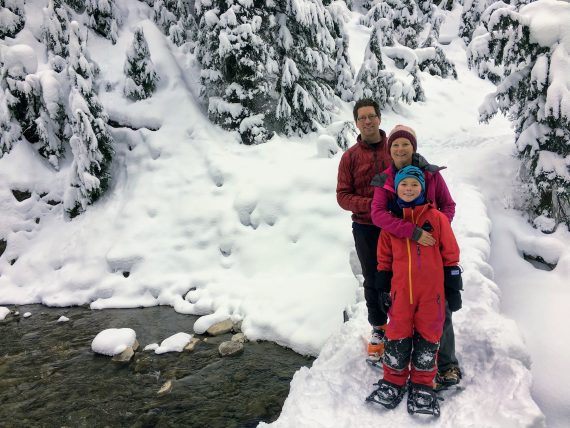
x=386, y=214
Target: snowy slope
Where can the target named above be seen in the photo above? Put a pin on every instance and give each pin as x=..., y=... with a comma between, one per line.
x=210, y=227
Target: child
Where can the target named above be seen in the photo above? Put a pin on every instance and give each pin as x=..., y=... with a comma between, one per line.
x=414, y=277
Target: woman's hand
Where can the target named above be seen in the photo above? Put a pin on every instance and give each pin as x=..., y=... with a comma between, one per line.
x=426, y=239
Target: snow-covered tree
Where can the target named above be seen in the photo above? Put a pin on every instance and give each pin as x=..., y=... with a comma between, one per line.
x=373, y=81
x=437, y=64
x=234, y=77
x=91, y=142
x=406, y=22
x=531, y=47
x=305, y=49
x=344, y=68
x=140, y=75
x=51, y=117
x=10, y=130
x=77, y=5
x=55, y=33
x=104, y=18
x=175, y=18
x=12, y=18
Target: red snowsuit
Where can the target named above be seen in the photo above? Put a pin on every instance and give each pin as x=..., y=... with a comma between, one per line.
x=417, y=312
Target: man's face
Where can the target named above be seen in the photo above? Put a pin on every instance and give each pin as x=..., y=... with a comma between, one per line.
x=401, y=152
x=368, y=122
x=409, y=189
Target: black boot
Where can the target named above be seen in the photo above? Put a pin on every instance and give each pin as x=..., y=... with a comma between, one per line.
x=423, y=399
x=387, y=394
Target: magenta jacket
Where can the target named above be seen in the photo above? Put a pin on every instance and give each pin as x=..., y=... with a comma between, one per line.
x=384, y=192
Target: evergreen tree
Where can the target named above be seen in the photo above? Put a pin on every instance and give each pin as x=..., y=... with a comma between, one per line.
x=235, y=81
x=406, y=22
x=55, y=33
x=373, y=81
x=305, y=52
x=104, y=18
x=12, y=18
x=534, y=95
x=77, y=5
x=50, y=118
x=176, y=19
x=141, y=78
x=344, y=68
x=438, y=64
x=91, y=143
x=10, y=130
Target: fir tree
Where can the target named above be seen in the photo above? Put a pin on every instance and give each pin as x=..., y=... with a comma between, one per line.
x=234, y=77
x=91, y=143
x=141, y=78
x=305, y=53
x=532, y=94
x=10, y=130
x=344, y=68
x=406, y=22
x=373, y=81
x=77, y=5
x=104, y=18
x=55, y=33
x=50, y=118
x=12, y=18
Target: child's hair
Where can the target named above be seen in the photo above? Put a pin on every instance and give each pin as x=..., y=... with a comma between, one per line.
x=410, y=171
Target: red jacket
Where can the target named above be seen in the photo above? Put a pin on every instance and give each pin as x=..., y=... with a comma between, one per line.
x=357, y=167
x=418, y=270
x=436, y=192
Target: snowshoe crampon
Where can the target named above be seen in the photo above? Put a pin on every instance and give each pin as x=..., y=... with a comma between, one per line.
x=387, y=394
x=423, y=399
x=375, y=362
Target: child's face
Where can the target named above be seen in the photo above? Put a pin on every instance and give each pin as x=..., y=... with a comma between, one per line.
x=409, y=189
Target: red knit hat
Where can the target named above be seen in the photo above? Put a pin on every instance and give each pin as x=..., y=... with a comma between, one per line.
x=402, y=131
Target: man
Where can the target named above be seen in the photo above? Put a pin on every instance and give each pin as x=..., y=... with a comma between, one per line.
x=354, y=192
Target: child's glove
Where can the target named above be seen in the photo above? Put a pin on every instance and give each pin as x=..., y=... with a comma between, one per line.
x=453, y=285
x=383, y=281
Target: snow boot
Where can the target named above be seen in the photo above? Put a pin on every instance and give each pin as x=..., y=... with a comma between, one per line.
x=387, y=394
x=423, y=399
x=447, y=378
x=376, y=344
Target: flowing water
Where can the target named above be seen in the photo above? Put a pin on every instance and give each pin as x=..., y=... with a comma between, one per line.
x=50, y=377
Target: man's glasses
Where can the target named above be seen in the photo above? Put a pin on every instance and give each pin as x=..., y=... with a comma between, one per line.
x=364, y=118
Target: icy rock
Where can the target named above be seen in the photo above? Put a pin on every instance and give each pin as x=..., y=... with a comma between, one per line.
x=240, y=338
x=229, y=348
x=62, y=319
x=114, y=341
x=192, y=344
x=27, y=315
x=166, y=388
x=3, y=312
x=220, y=328
x=127, y=354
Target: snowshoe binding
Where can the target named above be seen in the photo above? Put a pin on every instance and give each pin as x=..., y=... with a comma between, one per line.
x=375, y=362
x=387, y=394
x=423, y=399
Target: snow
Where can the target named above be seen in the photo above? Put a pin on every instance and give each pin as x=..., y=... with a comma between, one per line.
x=27, y=315
x=4, y=311
x=113, y=341
x=220, y=230
x=18, y=57
x=174, y=343
x=63, y=318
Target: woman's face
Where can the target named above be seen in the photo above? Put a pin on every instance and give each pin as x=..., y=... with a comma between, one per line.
x=401, y=152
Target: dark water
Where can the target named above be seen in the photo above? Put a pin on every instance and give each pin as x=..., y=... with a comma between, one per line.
x=50, y=377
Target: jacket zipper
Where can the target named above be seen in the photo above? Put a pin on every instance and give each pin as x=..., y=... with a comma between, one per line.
x=410, y=255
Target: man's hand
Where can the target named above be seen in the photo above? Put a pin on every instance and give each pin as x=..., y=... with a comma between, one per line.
x=426, y=239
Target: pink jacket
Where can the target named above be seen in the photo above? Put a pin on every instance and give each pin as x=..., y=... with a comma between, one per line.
x=436, y=192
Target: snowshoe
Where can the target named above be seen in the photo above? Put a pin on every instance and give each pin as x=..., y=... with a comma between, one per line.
x=375, y=362
x=387, y=394
x=423, y=399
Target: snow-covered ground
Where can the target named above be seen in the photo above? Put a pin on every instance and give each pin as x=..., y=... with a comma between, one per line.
x=214, y=228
